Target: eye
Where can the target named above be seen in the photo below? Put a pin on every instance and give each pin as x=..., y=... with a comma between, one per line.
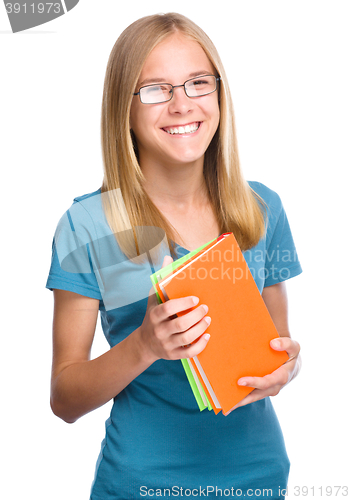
x=156, y=89
x=199, y=82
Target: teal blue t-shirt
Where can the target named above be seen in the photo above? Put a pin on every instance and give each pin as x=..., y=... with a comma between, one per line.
x=157, y=442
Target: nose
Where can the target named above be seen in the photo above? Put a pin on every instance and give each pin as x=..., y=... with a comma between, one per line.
x=180, y=102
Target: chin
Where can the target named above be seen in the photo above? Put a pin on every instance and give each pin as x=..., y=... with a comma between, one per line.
x=187, y=157
x=187, y=160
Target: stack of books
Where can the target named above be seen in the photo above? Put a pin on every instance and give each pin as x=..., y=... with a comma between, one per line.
x=241, y=327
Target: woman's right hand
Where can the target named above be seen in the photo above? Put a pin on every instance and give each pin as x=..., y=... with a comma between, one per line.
x=164, y=336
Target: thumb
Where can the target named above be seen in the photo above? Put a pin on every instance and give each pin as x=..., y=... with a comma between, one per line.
x=152, y=299
x=167, y=260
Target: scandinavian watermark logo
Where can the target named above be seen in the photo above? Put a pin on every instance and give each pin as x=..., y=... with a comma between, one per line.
x=27, y=14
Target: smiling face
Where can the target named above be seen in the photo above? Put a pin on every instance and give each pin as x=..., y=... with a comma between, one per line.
x=178, y=131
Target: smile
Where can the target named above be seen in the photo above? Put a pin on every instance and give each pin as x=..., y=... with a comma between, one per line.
x=185, y=129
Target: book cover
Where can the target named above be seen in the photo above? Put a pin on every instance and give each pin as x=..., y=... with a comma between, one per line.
x=241, y=327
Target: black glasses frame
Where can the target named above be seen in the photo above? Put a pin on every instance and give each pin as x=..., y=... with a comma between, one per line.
x=217, y=79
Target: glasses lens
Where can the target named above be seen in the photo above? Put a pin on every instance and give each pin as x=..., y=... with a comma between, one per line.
x=153, y=94
x=202, y=85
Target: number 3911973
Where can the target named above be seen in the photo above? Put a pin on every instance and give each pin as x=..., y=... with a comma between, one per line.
x=40, y=8
x=321, y=491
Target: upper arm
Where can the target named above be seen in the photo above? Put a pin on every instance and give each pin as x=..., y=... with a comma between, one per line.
x=74, y=324
x=275, y=298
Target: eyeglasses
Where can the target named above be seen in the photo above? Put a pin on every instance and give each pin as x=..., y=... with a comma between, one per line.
x=163, y=92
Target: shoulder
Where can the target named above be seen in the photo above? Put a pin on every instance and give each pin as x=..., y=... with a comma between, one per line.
x=270, y=197
x=275, y=215
x=82, y=218
x=75, y=248
x=83, y=197
x=87, y=206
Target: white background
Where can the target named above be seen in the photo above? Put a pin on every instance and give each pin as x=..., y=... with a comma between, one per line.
x=288, y=66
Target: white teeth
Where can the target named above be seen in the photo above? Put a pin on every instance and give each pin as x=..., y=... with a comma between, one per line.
x=187, y=129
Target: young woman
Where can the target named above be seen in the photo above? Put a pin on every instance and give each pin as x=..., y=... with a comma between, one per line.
x=171, y=162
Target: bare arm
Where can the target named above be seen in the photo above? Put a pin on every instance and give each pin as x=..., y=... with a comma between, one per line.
x=276, y=301
x=80, y=385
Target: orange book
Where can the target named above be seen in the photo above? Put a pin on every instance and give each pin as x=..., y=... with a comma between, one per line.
x=241, y=328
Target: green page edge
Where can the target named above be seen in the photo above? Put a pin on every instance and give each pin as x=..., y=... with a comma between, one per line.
x=185, y=363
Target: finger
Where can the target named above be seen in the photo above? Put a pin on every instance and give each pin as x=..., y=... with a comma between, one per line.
x=261, y=383
x=292, y=347
x=278, y=378
x=152, y=297
x=191, y=335
x=166, y=261
x=185, y=322
x=193, y=349
x=174, y=306
x=256, y=395
x=253, y=396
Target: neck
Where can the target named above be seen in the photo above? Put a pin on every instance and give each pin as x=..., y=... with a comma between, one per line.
x=181, y=187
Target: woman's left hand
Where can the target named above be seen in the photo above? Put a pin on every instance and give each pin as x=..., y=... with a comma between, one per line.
x=271, y=384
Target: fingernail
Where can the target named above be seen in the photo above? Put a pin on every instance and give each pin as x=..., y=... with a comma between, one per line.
x=195, y=300
x=208, y=319
x=242, y=382
x=207, y=336
x=206, y=308
x=275, y=343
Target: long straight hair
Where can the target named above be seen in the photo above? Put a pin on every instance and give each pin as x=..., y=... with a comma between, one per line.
x=127, y=206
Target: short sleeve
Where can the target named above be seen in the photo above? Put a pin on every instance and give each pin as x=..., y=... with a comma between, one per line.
x=71, y=263
x=281, y=260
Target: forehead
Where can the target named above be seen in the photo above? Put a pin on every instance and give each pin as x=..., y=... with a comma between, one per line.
x=175, y=57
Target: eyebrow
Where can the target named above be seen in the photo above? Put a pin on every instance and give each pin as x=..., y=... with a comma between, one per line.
x=163, y=80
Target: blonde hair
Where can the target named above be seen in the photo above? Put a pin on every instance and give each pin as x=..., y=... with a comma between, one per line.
x=237, y=207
